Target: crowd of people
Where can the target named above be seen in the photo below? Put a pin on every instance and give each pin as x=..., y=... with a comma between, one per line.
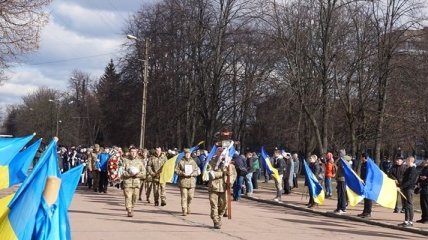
x=138, y=170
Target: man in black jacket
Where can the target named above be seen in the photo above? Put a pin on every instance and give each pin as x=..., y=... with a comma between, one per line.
x=423, y=185
x=367, y=202
x=396, y=173
x=407, y=187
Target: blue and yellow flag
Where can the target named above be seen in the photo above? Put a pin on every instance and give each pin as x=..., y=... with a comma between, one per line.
x=379, y=187
x=209, y=157
x=9, y=148
x=268, y=165
x=354, y=184
x=18, y=167
x=168, y=168
x=315, y=188
x=18, y=220
x=52, y=217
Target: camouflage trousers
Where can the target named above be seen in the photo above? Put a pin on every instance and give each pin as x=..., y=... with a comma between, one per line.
x=95, y=179
x=149, y=187
x=186, y=198
x=159, y=191
x=218, y=205
x=130, y=197
x=142, y=186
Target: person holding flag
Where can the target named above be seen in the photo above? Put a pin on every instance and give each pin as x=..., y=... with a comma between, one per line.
x=218, y=171
x=367, y=202
x=279, y=165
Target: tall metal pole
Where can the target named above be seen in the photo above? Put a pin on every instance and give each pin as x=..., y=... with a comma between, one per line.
x=145, y=83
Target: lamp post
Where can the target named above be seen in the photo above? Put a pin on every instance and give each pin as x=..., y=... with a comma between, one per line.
x=58, y=107
x=145, y=83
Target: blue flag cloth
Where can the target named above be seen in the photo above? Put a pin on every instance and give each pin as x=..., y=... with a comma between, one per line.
x=354, y=184
x=19, y=165
x=9, y=148
x=19, y=219
x=267, y=165
x=315, y=188
x=379, y=187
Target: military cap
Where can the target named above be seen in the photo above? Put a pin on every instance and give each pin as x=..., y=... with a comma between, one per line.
x=187, y=150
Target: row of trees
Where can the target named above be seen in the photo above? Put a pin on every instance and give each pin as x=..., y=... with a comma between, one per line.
x=307, y=75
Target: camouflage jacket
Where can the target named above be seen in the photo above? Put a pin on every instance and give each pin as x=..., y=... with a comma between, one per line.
x=132, y=181
x=92, y=157
x=187, y=181
x=146, y=176
x=219, y=183
x=154, y=166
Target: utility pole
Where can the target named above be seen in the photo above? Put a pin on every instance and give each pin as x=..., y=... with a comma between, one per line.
x=145, y=84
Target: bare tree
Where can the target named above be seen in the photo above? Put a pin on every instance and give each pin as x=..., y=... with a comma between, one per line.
x=20, y=27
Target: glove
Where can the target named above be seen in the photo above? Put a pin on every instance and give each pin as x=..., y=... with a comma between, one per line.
x=211, y=175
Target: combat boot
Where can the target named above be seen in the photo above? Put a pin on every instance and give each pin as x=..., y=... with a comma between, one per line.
x=217, y=225
x=184, y=212
x=130, y=214
x=163, y=203
x=156, y=203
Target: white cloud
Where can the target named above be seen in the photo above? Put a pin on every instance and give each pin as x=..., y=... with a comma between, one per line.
x=81, y=35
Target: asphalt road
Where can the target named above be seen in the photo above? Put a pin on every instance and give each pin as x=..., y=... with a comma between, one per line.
x=103, y=216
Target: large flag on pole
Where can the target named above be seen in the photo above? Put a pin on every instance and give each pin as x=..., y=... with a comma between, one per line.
x=9, y=147
x=267, y=165
x=379, y=187
x=314, y=186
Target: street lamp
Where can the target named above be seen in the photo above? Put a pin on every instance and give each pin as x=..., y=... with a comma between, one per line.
x=145, y=83
x=58, y=106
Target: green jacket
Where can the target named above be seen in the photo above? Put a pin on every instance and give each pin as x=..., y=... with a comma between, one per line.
x=218, y=184
x=132, y=181
x=154, y=166
x=187, y=181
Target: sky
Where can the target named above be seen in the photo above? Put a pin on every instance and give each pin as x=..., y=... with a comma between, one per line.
x=81, y=34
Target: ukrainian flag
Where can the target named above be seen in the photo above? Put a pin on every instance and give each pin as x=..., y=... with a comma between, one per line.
x=354, y=184
x=379, y=187
x=205, y=176
x=9, y=148
x=18, y=167
x=18, y=218
x=52, y=217
x=168, y=168
x=315, y=188
x=268, y=165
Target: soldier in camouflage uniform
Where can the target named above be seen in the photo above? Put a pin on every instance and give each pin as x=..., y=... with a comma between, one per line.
x=217, y=187
x=187, y=170
x=154, y=168
x=144, y=160
x=92, y=158
x=134, y=170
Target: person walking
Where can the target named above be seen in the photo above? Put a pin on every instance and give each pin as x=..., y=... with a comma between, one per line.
x=187, y=170
x=218, y=171
x=156, y=162
x=131, y=177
